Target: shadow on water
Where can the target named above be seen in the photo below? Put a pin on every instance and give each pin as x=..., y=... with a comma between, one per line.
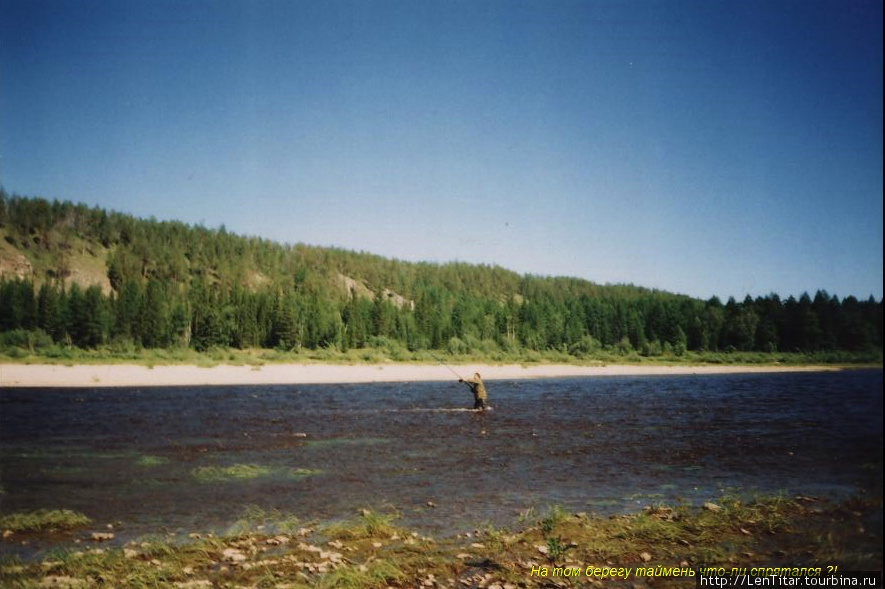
x=180, y=459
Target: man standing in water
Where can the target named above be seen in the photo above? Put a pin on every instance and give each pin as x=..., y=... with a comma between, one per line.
x=479, y=391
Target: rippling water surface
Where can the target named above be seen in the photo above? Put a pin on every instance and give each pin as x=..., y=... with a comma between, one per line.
x=178, y=459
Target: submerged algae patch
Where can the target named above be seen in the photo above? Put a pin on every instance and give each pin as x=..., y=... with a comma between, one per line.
x=149, y=461
x=236, y=471
x=249, y=471
x=43, y=519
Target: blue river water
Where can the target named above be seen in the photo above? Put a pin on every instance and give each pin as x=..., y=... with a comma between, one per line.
x=184, y=459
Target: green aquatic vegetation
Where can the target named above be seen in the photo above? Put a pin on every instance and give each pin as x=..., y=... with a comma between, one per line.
x=43, y=519
x=299, y=473
x=150, y=461
x=236, y=471
x=210, y=474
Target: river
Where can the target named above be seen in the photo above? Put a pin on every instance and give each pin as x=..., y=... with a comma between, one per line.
x=173, y=460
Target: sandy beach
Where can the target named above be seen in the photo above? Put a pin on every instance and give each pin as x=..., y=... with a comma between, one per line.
x=38, y=375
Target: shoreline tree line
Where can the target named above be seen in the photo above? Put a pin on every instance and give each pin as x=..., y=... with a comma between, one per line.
x=171, y=284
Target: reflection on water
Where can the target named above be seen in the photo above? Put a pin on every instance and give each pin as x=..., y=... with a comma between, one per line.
x=140, y=456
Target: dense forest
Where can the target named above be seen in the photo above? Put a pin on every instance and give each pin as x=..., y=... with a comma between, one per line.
x=166, y=284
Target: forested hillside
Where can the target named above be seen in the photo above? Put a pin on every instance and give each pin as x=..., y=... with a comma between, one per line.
x=89, y=278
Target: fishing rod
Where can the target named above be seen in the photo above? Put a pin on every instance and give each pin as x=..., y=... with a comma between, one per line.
x=452, y=370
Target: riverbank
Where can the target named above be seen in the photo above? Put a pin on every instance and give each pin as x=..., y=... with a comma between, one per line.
x=659, y=547
x=116, y=375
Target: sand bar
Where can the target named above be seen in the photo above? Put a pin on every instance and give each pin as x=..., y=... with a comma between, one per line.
x=38, y=375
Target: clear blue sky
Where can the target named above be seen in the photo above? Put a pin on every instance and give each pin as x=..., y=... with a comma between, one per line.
x=703, y=147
